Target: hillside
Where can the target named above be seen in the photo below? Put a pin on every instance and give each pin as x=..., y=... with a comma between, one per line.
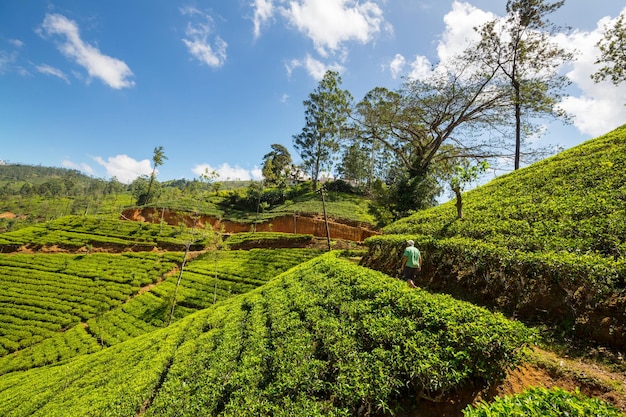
x=574, y=201
x=325, y=338
x=546, y=243
x=102, y=316
x=32, y=195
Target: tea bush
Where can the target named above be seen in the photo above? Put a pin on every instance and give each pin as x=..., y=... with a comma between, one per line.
x=324, y=338
x=543, y=402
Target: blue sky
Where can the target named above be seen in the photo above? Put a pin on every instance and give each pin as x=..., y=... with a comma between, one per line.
x=96, y=86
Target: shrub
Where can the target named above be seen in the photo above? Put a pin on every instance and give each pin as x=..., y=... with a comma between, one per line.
x=542, y=402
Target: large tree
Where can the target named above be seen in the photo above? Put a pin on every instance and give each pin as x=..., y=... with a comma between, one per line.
x=522, y=49
x=454, y=106
x=276, y=164
x=612, y=53
x=326, y=112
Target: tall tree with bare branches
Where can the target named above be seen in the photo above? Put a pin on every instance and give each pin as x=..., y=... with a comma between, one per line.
x=522, y=49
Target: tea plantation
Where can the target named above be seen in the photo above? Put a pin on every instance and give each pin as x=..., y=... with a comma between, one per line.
x=105, y=317
x=545, y=243
x=324, y=338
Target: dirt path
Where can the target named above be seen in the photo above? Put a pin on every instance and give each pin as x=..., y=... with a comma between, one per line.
x=190, y=256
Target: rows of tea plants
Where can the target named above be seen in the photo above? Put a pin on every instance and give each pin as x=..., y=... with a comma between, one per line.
x=539, y=401
x=331, y=338
x=268, y=240
x=325, y=338
x=43, y=294
x=117, y=381
x=561, y=289
x=228, y=273
x=59, y=347
x=208, y=279
x=79, y=231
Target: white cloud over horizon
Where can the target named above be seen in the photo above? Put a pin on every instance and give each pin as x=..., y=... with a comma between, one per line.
x=112, y=71
x=227, y=172
x=125, y=168
x=86, y=168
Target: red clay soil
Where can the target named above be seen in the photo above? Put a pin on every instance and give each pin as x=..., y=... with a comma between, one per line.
x=549, y=371
x=301, y=224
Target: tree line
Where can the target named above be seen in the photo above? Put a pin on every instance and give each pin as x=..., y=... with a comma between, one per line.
x=482, y=106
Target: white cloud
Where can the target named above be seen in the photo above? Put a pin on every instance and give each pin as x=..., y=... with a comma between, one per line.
x=80, y=167
x=197, y=41
x=263, y=12
x=229, y=173
x=111, y=71
x=6, y=61
x=16, y=43
x=459, y=31
x=330, y=23
x=599, y=108
x=55, y=72
x=420, y=68
x=125, y=168
x=595, y=108
x=315, y=68
x=458, y=34
x=396, y=66
x=257, y=173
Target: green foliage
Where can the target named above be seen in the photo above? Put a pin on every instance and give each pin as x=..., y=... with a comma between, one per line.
x=268, y=239
x=571, y=202
x=208, y=279
x=79, y=231
x=325, y=338
x=326, y=112
x=336, y=338
x=542, y=402
x=44, y=294
x=276, y=164
x=114, y=382
x=612, y=57
x=586, y=279
x=241, y=206
x=545, y=242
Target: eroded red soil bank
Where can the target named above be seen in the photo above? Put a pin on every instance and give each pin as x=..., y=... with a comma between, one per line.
x=302, y=224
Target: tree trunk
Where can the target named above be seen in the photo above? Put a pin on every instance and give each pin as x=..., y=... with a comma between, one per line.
x=459, y=202
x=518, y=124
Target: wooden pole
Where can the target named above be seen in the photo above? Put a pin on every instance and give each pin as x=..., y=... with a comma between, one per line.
x=321, y=190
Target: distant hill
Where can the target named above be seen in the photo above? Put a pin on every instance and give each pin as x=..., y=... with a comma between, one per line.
x=36, y=173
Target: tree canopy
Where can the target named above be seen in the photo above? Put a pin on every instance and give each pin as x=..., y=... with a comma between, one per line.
x=326, y=112
x=520, y=48
x=276, y=164
x=612, y=53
